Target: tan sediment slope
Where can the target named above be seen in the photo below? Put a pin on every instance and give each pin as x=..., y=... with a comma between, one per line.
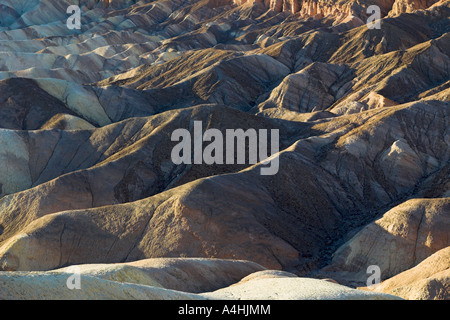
x=270, y=219
x=401, y=239
x=87, y=177
x=172, y=279
x=429, y=280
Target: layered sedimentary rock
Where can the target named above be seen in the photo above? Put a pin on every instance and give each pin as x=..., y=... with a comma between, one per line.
x=172, y=279
x=343, y=11
x=204, y=223
x=429, y=280
x=87, y=175
x=405, y=236
x=286, y=288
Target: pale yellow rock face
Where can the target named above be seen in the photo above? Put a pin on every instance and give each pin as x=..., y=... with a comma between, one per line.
x=88, y=178
x=80, y=100
x=401, y=6
x=172, y=279
x=41, y=286
x=400, y=155
x=306, y=90
x=429, y=280
x=405, y=236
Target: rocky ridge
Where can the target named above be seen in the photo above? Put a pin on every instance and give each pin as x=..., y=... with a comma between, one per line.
x=87, y=178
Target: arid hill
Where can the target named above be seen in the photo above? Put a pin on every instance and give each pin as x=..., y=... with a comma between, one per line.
x=86, y=170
